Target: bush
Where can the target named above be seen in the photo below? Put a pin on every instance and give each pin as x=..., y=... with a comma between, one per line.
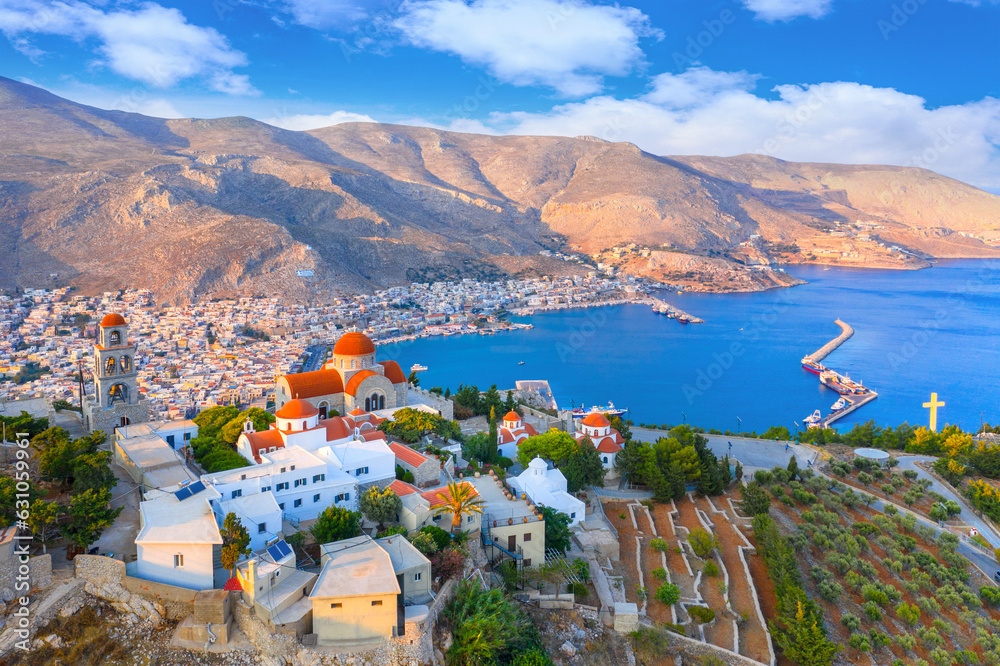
x=447, y=564
x=440, y=536
x=910, y=474
x=701, y=614
x=711, y=570
x=425, y=543
x=702, y=543
x=872, y=611
x=660, y=545
x=668, y=594
x=659, y=573
x=830, y=590
x=908, y=613
x=859, y=642
x=851, y=621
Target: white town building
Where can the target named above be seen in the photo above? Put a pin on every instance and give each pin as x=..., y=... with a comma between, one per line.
x=547, y=487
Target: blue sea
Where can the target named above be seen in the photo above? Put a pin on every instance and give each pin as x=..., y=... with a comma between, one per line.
x=916, y=332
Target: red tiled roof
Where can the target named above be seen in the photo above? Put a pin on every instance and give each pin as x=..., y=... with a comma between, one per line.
x=608, y=445
x=233, y=585
x=336, y=428
x=112, y=319
x=401, y=488
x=354, y=344
x=596, y=420
x=296, y=409
x=393, y=372
x=372, y=435
x=408, y=455
x=314, y=384
x=437, y=496
x=355, y=382
x=263, y=441
x=357, y=411
x=512, y=416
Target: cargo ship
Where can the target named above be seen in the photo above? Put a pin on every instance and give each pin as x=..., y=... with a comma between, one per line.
x=813, y=366
x=841, y=384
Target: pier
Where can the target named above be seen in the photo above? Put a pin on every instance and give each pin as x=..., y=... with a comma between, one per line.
x=662, y=307
x=828, y=348
x=854, y=400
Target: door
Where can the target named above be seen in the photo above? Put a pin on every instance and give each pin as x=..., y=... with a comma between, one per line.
x=512, y=543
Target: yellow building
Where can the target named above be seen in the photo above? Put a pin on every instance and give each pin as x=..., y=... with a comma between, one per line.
x=355, y=597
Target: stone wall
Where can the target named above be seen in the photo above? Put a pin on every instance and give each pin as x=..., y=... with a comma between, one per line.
x=174, y=603
x=700, y=651
x=39, y=574
x=99, y=570
x=444, y=405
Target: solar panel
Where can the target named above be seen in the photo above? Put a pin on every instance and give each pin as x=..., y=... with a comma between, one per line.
x=279, y=551
x=188, y=491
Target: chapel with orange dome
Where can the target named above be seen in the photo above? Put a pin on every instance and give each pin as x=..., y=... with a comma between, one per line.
x=352, y=379
x=608, y=441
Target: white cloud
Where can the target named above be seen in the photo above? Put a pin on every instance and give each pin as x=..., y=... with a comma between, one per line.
x=304, y=122
x=716, y=113
x=325, y=14
x=569, y=45
x=786, y=10
x=152, y=44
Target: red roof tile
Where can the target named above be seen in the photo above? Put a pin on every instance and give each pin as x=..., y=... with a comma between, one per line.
x=401, y=488
x=408, y=455
x=355, y=381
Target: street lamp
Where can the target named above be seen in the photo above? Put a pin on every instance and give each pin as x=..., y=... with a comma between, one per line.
x=739, y=425
x=685, y=417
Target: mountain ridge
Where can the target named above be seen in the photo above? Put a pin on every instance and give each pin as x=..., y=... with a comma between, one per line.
x=188, y=207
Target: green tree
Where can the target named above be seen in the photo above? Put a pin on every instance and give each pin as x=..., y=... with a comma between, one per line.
x=510, y=403
x=89, y=516
x=44, y=521
x=756, y=500
x=583, y=468
x=93, y=470
x=211, y=421
x=493, y=425
x=738, y=473
x=262, y=420
x=793, y=468
x=803, y=639
x=380, y=505
x=335, y=524
x=668, y=594
x=413, y=379
x=491, y=401
x=557, y=534
x=480, y=446
x=632, y=461
x=624, y=427
x=235, y=542
x=554, y=445
x=460, y=499
x=10, y=505
x=702, y=543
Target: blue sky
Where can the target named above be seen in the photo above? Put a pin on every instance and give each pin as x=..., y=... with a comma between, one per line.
x=908, y=82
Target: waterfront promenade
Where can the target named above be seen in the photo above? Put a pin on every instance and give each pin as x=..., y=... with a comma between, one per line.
x=824, y=351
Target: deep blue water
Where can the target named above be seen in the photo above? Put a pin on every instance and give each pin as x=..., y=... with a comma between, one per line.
x=915, y=332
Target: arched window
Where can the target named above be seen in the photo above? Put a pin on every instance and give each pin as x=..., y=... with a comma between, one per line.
x=126, y=364
x=324, y=408
x=109, y=366
x=115, y=338
x=368, y=404
x=118, y=392
x=381, y=402
x=364, y=363
x=352, y=364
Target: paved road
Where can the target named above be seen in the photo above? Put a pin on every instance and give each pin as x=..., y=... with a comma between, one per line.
x=753, y=453
x=986, y=529
x=317, y=354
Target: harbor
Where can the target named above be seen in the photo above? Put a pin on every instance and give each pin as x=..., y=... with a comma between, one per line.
x=664, y=308
x=853, y=394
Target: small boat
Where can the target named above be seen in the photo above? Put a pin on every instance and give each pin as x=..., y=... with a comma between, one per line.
x=815, y=417
x=813, y=366
x=839, y=405
x=520, y=362
x=609, y=410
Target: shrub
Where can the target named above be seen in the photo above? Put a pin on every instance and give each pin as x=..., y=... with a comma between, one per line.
x=701, y=614
x=906, y=641
x=851, y=621
x=910, y=474
x=659, y=573
x=711, y=570
x=878, y=639
x=440, y=536
x=859, y=642
x=702, y=543
x=424, y=543
x=872, y=611
x=941, y=657
x=865, y=478
x=830, y=590
x=897, y=481
x=668, y=594
x=447, y=563
x=908, y=613
x=660, y=545
x=763, y=477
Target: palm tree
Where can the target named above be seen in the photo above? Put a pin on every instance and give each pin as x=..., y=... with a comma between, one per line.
x=460, y=499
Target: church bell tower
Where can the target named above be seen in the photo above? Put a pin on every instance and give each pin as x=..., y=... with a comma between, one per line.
x=116, y=401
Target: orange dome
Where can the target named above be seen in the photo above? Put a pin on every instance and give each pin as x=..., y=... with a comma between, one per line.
x=512, y=416
x=353, y=344
x=596, y=420
x=393, y=372
x=113, y=319
x=297, y=409
x=355, y=383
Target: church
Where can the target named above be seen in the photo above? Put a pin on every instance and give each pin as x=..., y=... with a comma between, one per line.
x=352, y=379
x=116, y=401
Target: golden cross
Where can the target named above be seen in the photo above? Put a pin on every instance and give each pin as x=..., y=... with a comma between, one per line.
x=933, y=405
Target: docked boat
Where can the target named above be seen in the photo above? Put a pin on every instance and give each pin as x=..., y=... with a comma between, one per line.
x=841, y=384
x=813, y=418
x=609, y=410
x=813, y=366
x=839, y=405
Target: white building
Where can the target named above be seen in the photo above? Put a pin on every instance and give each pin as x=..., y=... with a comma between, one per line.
x=259, y=513
x=547, y=487
x=608, y=441
x=511, y=433
x=178, y=537
x=302, y=484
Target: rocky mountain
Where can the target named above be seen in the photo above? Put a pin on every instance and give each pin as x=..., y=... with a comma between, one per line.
x=107, y=199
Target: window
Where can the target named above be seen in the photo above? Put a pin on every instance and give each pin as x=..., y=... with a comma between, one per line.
x=437, y=518
x=336, y=606
x=527, y=562
x=342, y=497
x=527, y=537
x=361, y=470
x=178, y=561
x=297, y=503
x=377, y=602
x=265, y=489
x=293, y=466
x=417, y=576
x=315, y=498
x=573, y=515
x=237, y=493
x=282, y=470
x=470, y=519
x=261, y=528
x=243, y=477
x=170, y=440
x=281, y=486
x=605, y=460
x=300, y=482
x=187, y=436
x=282, y=506
x=319, y=477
